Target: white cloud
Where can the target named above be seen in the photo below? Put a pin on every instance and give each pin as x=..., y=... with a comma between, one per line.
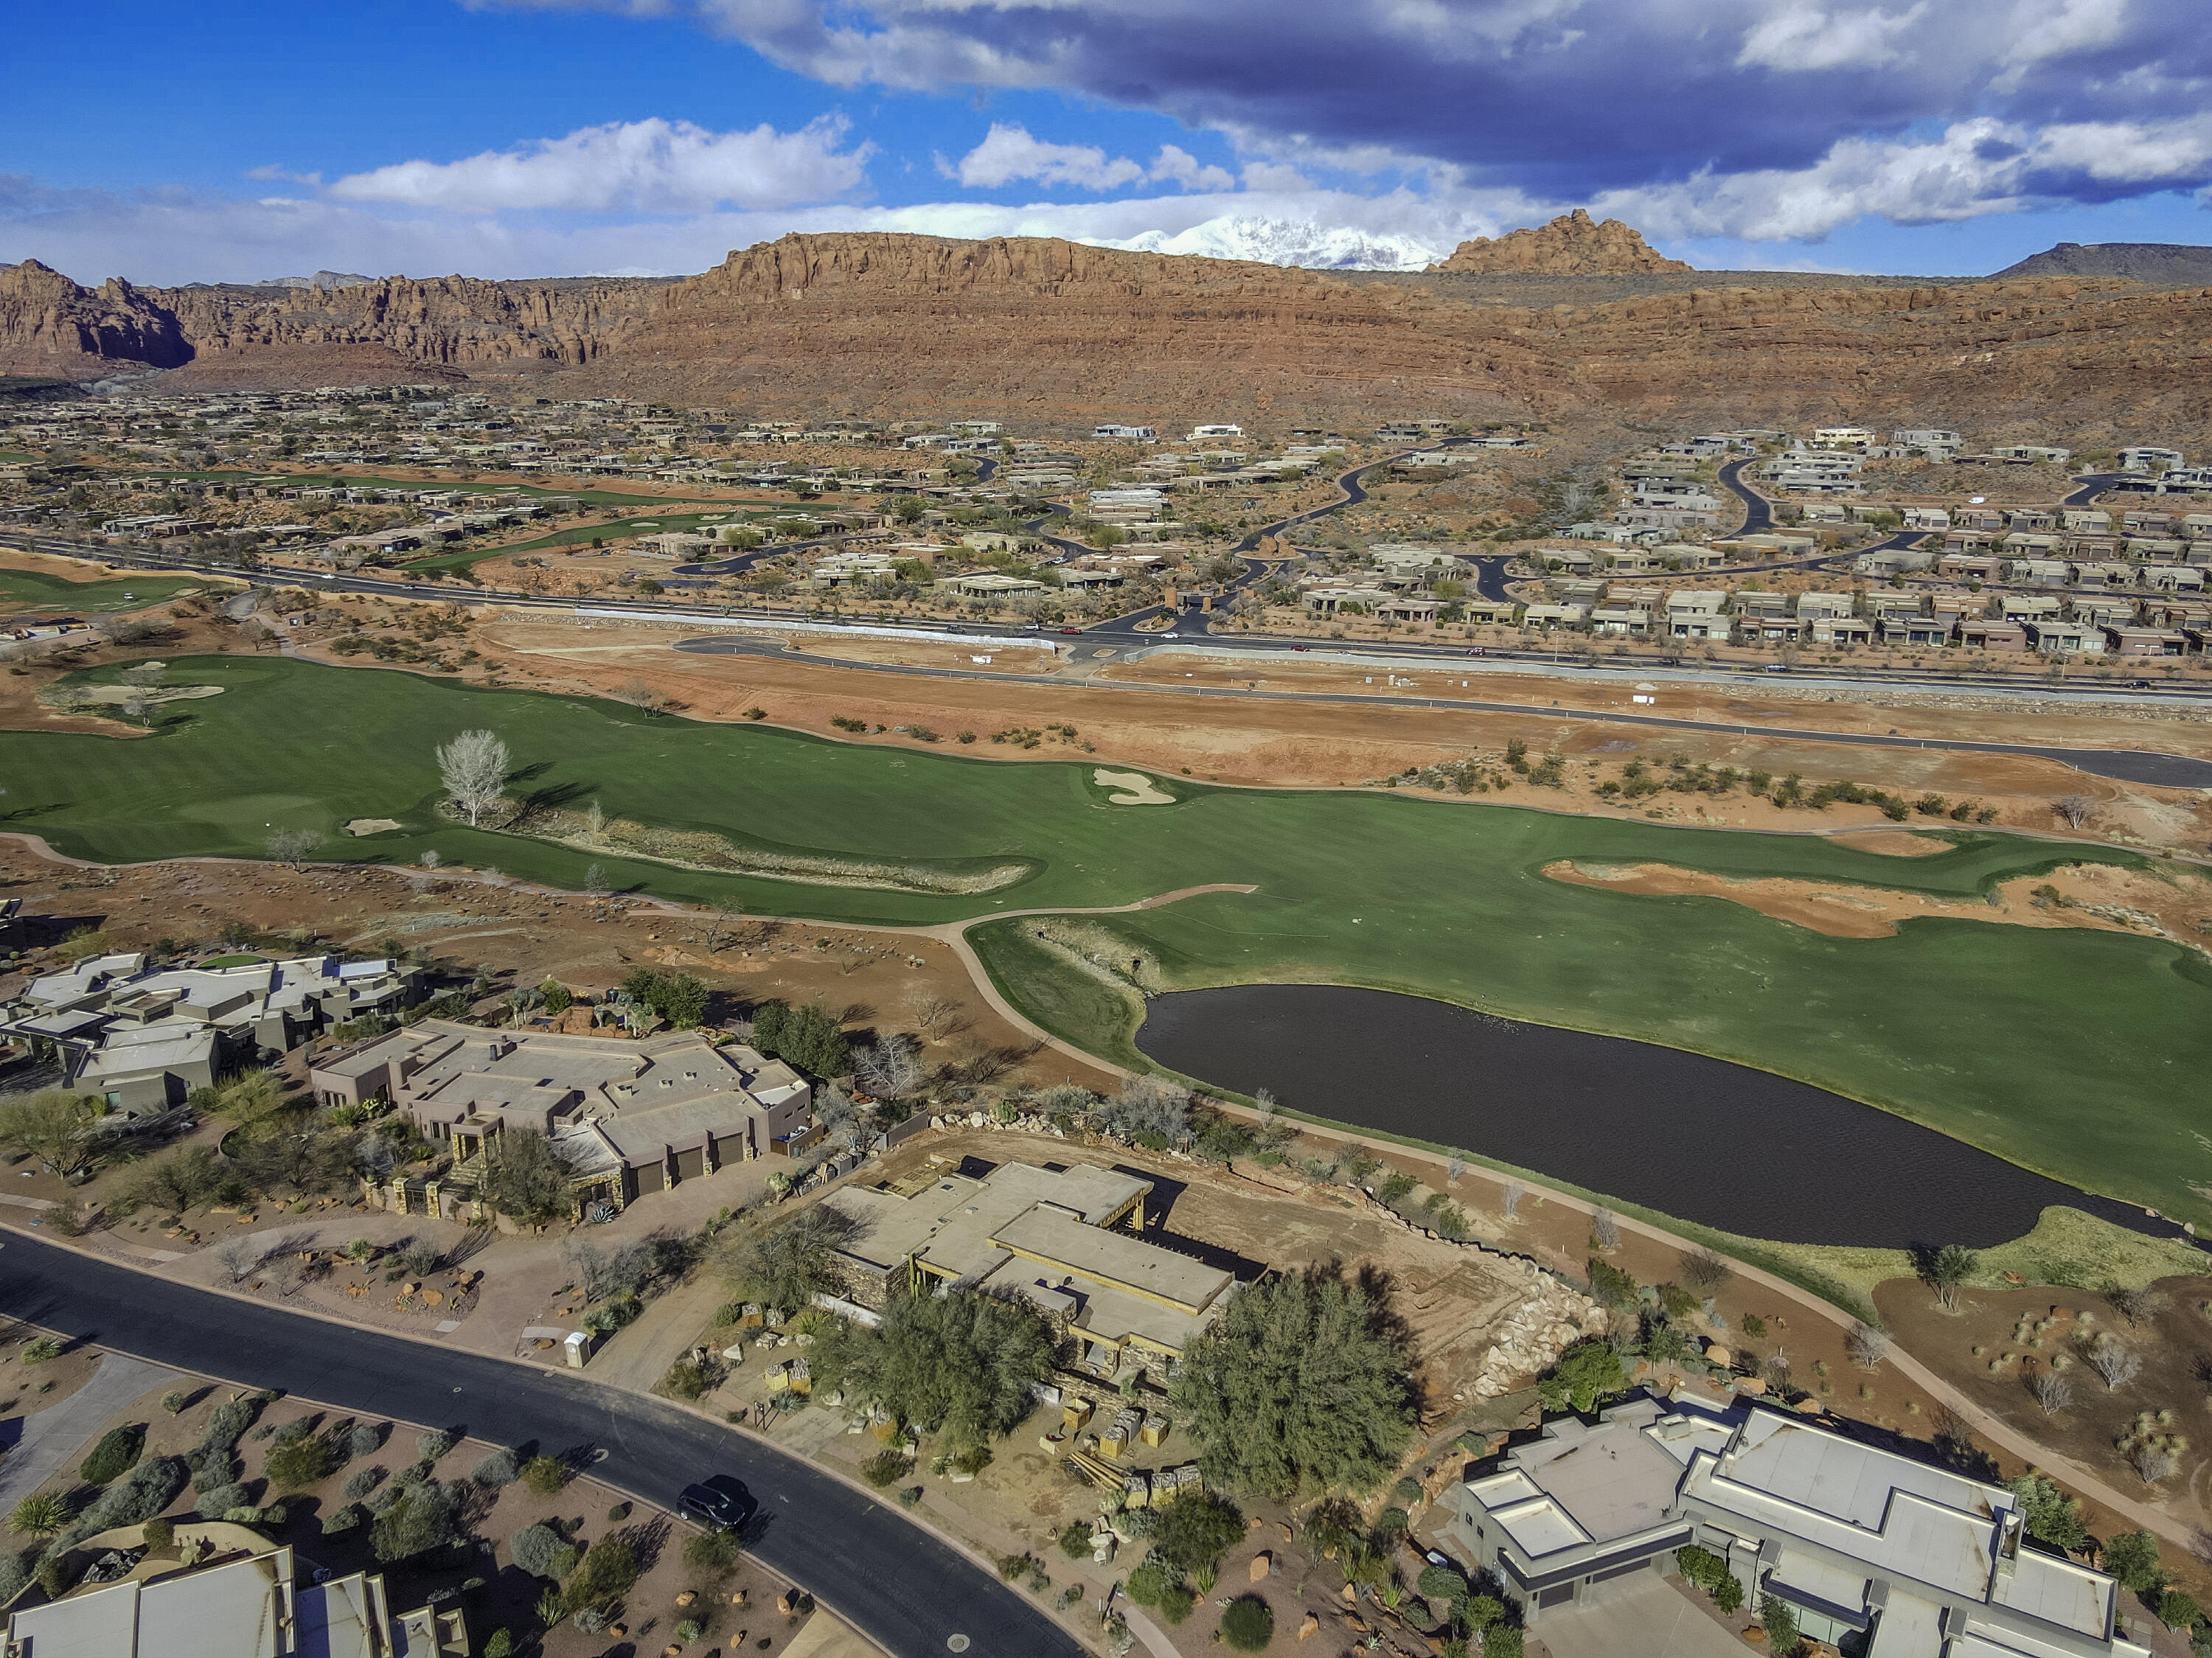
x=2040, y=30
x=1008, y=153
x=1174, y=165
x=652, y=167
x=1808, y=38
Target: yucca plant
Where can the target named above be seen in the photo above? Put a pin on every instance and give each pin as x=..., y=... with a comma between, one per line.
x=40, y=1515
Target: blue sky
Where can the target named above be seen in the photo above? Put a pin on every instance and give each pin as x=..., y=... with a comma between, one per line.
x=517, y=137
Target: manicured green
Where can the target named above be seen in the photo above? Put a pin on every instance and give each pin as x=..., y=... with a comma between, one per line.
x=35, y=590
x=2077, y=1053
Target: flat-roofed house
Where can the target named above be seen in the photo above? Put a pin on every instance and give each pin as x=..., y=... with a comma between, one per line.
x=628, y=1117
x=1065, y=1239
x=1898, y=1557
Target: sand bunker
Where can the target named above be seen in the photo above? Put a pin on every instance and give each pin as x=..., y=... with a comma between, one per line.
x=371, y=825
x=115, y=697
x=1853, y=912
x=1134, y=788
x=1893, y=843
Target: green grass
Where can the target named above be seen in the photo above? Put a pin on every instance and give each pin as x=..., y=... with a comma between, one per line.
x=2075, y=1053
x=34, y=590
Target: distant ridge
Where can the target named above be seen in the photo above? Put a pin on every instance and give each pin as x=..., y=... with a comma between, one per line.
x=2177, y=262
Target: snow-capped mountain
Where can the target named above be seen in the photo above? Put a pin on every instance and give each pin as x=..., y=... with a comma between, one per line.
x=1290, y=242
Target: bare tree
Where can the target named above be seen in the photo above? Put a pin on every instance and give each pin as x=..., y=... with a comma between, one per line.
x=1605, y=1229
x=2136, y=1305
x=723, y=922
x=2075, y=809
x=2115, y=1364
x=889, y=1068
x=2152, y=1462
x=595, y=881
x=291, y=847
x=473, y=767
x=430, y=859
x=1510, y=1201
x=642, y=696
x=1265, y=1103
x=595, y=818
x=2052, y=1392
x=287, y=1272
x=238, y=1257
x=1455, y=1166
x=938, y=1016
x=1704, y=1270
x=1867, y=1345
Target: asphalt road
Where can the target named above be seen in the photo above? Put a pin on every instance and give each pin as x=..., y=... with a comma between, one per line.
x=898, y=1584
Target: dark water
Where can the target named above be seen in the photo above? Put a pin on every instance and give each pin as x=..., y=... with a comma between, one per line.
x=1697, y=1138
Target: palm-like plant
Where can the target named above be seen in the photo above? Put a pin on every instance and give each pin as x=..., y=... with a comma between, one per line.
x=40, y=1515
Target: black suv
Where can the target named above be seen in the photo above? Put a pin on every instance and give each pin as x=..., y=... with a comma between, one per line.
x=721, y=1504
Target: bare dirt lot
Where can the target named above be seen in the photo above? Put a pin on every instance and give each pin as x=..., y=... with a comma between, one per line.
x=2101, y=898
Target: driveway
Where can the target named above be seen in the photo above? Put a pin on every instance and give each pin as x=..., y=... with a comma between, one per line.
x=1645, y=1615
x=55, y=1437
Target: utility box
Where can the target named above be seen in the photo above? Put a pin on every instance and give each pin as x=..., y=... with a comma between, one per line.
x=578, y=1346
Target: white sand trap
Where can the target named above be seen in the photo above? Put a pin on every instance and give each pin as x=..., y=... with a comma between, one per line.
x=117, y=695
x=1135, y=789
x=371, y=825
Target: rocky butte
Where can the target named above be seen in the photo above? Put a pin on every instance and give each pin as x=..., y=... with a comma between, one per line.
x=1571, y=246
x=896, y=327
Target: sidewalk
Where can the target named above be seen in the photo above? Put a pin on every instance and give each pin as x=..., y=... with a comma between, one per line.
x=54, y=1437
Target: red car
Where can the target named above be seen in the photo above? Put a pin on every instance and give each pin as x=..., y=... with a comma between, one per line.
x=1070, y=630
x=1301, y=648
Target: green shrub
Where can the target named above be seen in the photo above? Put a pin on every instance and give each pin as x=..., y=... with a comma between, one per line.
x=1076, y=1540
x=1780, y=1621
x=419, y=1519
x=221, y=1499
x=500, y=1645
x=1441, y=1583
x=301, y=1463
x=2177, y=1610
x=344, y=1518
x=1479, y=1613
x=712, y=1551
x=1196, y=1531
x=1149, y=1582
x=160, y=1534
x=544, y=1474
x=884, y=1469
x=532, y=1548
x=607, y=1571
x=1728, y=1594
x=2132, y=1556
x=688, y=1631
x=137, y=1496
x=40, y=1515
x=57, y=1574
x=1248, y=1623
x=1504, y=1640
x=115, y=1455
x=1176, y=1602
x=1610, y=1286
x=40, y=1350
x=433, y=1443
x=496, y=1471
x=227, y=1424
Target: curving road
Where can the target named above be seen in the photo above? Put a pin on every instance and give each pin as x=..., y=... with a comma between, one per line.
x=900, y=1585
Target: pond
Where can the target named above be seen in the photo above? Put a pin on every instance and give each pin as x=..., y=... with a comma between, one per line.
x=1703, y=1139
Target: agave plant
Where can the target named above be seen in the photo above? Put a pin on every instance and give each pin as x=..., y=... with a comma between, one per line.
x=40, y=1515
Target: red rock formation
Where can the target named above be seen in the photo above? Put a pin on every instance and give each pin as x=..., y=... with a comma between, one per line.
x=1571, y=246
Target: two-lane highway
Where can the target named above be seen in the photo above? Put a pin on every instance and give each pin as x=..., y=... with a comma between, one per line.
x=902, y=1586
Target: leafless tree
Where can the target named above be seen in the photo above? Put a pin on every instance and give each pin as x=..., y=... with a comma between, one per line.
x=1605, y=1229
x=2137, y=1306
x=595, y=818
x=1455, y=1166
x=723, y=922
x=2074, y=808
x=2118, y=1365
x=1704, y=1270
x=2052, y=1392
x=1867, y=1345
x=1510, y=1201
x=642, y=696
x=1265, y=1103
x=238, y=1257
x=474, y=768
x=595, y=881
x=291, y=847
x=938, y=1016
x=2152, y=1462
x=430, y=859
x=889, y=1068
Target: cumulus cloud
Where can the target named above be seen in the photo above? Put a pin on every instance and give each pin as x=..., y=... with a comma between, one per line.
x=1009, y=152
x=651, y=167
x=1807, y=38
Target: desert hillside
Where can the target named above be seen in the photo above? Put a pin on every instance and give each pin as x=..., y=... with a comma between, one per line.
x=893, y=326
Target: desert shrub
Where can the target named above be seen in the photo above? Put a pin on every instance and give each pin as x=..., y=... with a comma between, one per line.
x=607, y=1572
x=1441, y=1583
x=534, y=1547
x=160, y=1534
x=422, y=1518
x=1076, y=1539
x=884, y=1469
x=211, y=1468
x=2177, y=1610
x=714, y=1551
x=688, y=1379
x=1149, y=1582
x=364, y=1439
x=2132, y=1556
x=500, y=1645
x=115, y=1455
x=15, y=1576
x=1504, y=1640
x=137, y=1496
x=300, y=1463
x=360, y=1483
x=1609, y=1284
x=57, y=1574
x=496, y=1471
x=219, y=1501
x=1248, y=1623
x=1176, y=1602
x=544, y=1474
x=343, y=1518
x=431, y=1445
x=40, y=1515
x=1195, y=1531
x=227, y=1422
x=40, y=1350
x=1701, y=1566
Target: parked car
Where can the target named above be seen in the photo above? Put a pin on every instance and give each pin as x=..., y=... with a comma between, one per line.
x=1070, y=630
x=719, y=1502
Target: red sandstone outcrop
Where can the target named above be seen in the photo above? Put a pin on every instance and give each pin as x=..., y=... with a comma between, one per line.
x=1571, y=246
